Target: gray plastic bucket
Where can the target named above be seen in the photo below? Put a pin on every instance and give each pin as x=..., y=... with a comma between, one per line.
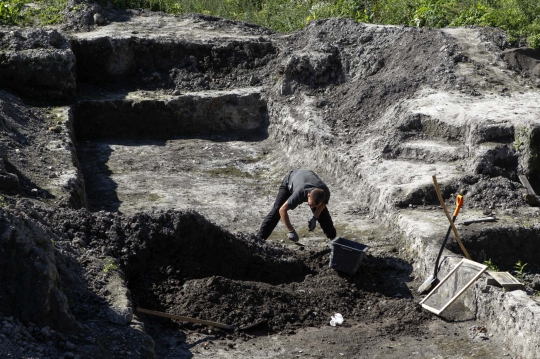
x=346, y=255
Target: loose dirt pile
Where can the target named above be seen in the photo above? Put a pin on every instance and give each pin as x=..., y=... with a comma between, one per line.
x=180, y=263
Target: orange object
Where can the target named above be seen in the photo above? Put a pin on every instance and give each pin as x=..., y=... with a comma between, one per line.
x=459, y=204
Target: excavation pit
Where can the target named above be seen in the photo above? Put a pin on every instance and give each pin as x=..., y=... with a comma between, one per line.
x=148, y=150
x=505, y=246
x=192, y=151
x=179, y=262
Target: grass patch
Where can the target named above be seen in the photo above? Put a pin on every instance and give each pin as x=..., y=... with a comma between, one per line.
x=28, y=12
x=12, y=12
x=110, y=266
x=50, y=12
x=3, y=201
x=519, y=18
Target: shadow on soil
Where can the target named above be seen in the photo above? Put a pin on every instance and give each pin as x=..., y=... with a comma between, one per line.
x=100, y=187
x=384, y=275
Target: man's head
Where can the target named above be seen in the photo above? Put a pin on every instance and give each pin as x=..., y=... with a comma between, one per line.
x=316, y=197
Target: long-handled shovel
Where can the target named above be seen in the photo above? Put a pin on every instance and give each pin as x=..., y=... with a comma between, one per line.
x=433, y=280
x=200, y=321
x=185, y=319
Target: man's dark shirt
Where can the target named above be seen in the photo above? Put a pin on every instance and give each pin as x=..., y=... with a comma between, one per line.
x=300, y=183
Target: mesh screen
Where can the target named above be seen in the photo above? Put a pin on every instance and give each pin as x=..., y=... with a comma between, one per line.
x=451, y=286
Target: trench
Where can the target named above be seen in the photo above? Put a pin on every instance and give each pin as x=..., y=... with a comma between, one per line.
x=198, y=152
x=139, y=157
x=535, y=160
x=142, y=153
x=212, y=153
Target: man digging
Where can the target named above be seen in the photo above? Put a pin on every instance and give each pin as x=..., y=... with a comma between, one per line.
x=300, y=186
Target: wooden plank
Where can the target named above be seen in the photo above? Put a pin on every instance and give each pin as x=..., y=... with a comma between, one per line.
x=526, y=184
x=185, y=319
x=506, y=280
x=479, y=220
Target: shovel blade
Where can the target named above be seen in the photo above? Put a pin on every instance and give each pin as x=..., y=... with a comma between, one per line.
x=428, y=284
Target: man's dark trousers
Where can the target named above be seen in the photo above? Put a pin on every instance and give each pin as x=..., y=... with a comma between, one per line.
x=272, y=219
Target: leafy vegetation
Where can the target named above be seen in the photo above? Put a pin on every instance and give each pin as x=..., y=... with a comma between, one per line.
x=492, y=266
x=110, y=266
x=26, y=12
x=520, y=267
x=11, y=12
x=519, y=18
x=50, y=12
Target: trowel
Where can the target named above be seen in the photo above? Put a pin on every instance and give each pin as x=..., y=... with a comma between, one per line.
x=433, y=280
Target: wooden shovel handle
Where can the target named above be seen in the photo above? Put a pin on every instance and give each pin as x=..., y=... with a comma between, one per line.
x=443, y=205
x=185, y=319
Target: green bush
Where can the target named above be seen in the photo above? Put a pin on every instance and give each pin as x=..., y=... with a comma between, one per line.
x=433, y=13
x=534, y=41
x=519, y=18
x=393, y=13
x=474, y=15
x=51, y=12
x=11, y=12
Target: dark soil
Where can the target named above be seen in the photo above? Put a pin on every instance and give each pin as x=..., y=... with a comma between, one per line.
x=179, y=263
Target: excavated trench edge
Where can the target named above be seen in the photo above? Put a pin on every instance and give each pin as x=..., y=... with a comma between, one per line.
x=235, y=114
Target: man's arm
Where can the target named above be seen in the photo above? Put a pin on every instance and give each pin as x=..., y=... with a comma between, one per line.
x=285, y=216
x=319, y=210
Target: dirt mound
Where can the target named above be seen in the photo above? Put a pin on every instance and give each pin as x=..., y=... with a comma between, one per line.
x=376, y=67
x=180, y=263
x=491, y=193
x=29, y=273
x=368, y=296
x=185, y=240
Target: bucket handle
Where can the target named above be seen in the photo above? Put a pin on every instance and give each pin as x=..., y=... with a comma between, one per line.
x=350, y=249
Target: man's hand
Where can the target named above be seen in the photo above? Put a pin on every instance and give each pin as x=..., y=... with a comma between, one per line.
x=312, y=223
x=293, y=236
